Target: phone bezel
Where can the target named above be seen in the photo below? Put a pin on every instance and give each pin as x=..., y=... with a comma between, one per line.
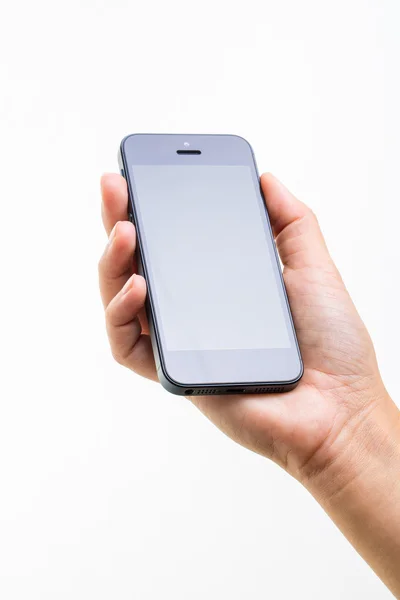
x=215, y=370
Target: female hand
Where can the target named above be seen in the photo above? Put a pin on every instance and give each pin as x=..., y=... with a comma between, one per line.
x=303, y=429
x=338, y=432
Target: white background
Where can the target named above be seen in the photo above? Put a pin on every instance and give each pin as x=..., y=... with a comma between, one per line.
x=110, y=487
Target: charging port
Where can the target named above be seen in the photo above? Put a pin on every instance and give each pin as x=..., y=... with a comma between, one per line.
x=235, y=390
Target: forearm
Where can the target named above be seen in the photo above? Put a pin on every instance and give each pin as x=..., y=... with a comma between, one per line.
x=360, y=490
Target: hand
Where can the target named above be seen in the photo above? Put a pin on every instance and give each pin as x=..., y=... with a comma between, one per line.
x=338, y=432
x=303, y=430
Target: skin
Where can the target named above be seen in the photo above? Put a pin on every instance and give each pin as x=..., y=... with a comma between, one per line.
x=338, y=432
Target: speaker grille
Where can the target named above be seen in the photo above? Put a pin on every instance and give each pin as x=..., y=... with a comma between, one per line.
x=188, y=151
x=268, y=390
x=206, y=391
x=271, y=389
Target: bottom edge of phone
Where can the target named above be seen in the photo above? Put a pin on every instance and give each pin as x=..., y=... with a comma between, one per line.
x=223, y=390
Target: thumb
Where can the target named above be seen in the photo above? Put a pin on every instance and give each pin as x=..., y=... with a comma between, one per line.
x=298, y=236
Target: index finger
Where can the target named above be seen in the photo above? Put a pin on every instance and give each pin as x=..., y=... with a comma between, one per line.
x=114, y=195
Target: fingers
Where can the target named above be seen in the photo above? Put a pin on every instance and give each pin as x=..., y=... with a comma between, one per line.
x=115, y=200
x=129, y=346
x=116, y=264
x=298, y=236
x=123, y=294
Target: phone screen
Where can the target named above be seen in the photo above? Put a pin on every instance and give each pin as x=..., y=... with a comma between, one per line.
x=209, y=249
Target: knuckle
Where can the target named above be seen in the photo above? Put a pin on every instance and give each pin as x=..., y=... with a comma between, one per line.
x=117, y=355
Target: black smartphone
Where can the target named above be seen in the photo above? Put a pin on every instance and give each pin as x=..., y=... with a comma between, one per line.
x=218, y=313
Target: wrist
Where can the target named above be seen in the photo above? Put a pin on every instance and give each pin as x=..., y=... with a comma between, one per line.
x=360, y=489
x=367, y=449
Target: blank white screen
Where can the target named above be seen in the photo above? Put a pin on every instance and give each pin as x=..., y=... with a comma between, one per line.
x=209, y=257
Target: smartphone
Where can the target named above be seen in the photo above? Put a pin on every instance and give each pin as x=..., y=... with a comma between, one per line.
x=219, y=317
